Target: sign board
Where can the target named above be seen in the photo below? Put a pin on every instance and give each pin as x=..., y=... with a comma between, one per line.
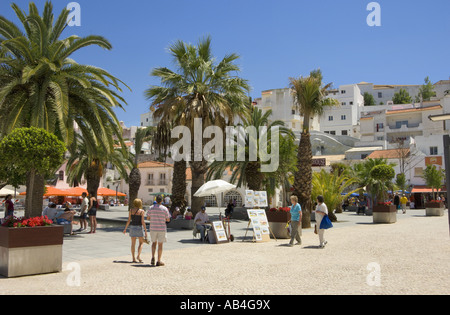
x=260, y=225
x=319, y=162
x=219, y=232
x=256, y=199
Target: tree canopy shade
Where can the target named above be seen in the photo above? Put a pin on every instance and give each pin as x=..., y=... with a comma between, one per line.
x=32, y=152
x=40, y=86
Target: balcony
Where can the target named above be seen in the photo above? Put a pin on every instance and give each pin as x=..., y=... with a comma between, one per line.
x=404, y=128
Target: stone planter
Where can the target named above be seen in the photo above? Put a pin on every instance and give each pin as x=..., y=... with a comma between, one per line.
x=30, y=251
x=434, y=209
x=277, y=223
x=384, y=214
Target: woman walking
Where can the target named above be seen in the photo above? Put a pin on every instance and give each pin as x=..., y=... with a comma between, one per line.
x=137, y=225
x=296, y=222
x=9, y=207
x=321, y=212
x=92, y=212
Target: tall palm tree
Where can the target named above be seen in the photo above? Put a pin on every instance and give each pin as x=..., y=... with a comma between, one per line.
x=41, y=86
x=199, y=88
x=310, y=97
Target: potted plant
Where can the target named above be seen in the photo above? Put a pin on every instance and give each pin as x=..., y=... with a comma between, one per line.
x=30, y=246
x=434, y=178
x=381, y=177
x=278, y=219
x=434, y=208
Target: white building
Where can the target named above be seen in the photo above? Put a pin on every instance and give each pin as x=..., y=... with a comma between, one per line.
x=281, y=102
x=342, y=120
x=147, y=120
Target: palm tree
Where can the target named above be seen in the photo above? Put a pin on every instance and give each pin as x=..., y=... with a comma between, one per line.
x=41, y=86
x=199, y=88
x=89, y=163
x=331, y=186
x=248, y=173
x=142, y=135
x=310, y=97
x=363, y=175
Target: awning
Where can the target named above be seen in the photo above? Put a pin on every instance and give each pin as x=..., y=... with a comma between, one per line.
x=426, y=190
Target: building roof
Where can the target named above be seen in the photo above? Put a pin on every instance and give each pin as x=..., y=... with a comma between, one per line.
x=154, y=164
x=411, y=110
x=389, y=154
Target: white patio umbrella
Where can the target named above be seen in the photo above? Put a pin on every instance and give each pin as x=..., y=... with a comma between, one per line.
x=214, y=187
x=5, y=192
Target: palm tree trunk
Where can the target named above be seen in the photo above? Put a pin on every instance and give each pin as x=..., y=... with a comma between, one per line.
x=93, y=179
x=179, y=186
x=253, y=176
x=303, y=178
x=199, y=170
x=35, y=192
x=134, y=185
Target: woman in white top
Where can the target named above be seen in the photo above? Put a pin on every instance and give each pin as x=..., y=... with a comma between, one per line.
x=321, y=212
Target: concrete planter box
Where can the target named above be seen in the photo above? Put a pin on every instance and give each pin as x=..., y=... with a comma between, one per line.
x=384, y=214
x=277, y=223
x=30, y=251
x=181, y=224
x=434, y=209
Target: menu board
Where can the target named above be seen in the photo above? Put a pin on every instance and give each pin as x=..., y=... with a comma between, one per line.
x=260, y=225
x=219, y=231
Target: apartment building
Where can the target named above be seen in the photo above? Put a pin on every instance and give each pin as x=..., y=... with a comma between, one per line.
x=281, y=102
x=342, y=120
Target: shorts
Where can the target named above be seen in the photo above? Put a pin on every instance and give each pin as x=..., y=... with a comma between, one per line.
x=158, y=236
x=83, y=216
x=136, y=231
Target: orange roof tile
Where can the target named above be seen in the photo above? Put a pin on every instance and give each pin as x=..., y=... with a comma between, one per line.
x=389, y=154
x=154, y=164
x=413, y=110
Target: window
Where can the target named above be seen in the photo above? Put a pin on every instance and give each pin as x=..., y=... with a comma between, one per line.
x=61, y=175
x=150, y=190
x=343, y=91
x=351, y=103
x=293, y=112
x=399, y=124
x=380, y=95
x=344, y=132
x=344, y=103
x=380, y=138
x=364, y=156
x=333, y=133
x=343, y=117
x=418, y=172
x=433, y=150
x=150, y=180
x=330, y=118
x=162, y=179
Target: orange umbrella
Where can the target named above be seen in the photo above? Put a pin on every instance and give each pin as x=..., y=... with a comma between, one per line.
x=105, y=192
x=52, y=192
x=76, y=191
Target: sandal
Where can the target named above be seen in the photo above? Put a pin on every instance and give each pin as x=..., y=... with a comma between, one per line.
x=160, y=264
x=152, y=262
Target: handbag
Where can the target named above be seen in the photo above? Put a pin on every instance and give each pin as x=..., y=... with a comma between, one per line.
x=326, y=223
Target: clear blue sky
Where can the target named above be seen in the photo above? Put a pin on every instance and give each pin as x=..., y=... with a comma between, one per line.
x=275, y=39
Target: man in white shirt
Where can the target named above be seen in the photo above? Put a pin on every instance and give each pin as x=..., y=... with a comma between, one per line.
x=83, y=214
x=202, y=222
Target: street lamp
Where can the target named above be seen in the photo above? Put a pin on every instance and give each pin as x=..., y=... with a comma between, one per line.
x=437, y=118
